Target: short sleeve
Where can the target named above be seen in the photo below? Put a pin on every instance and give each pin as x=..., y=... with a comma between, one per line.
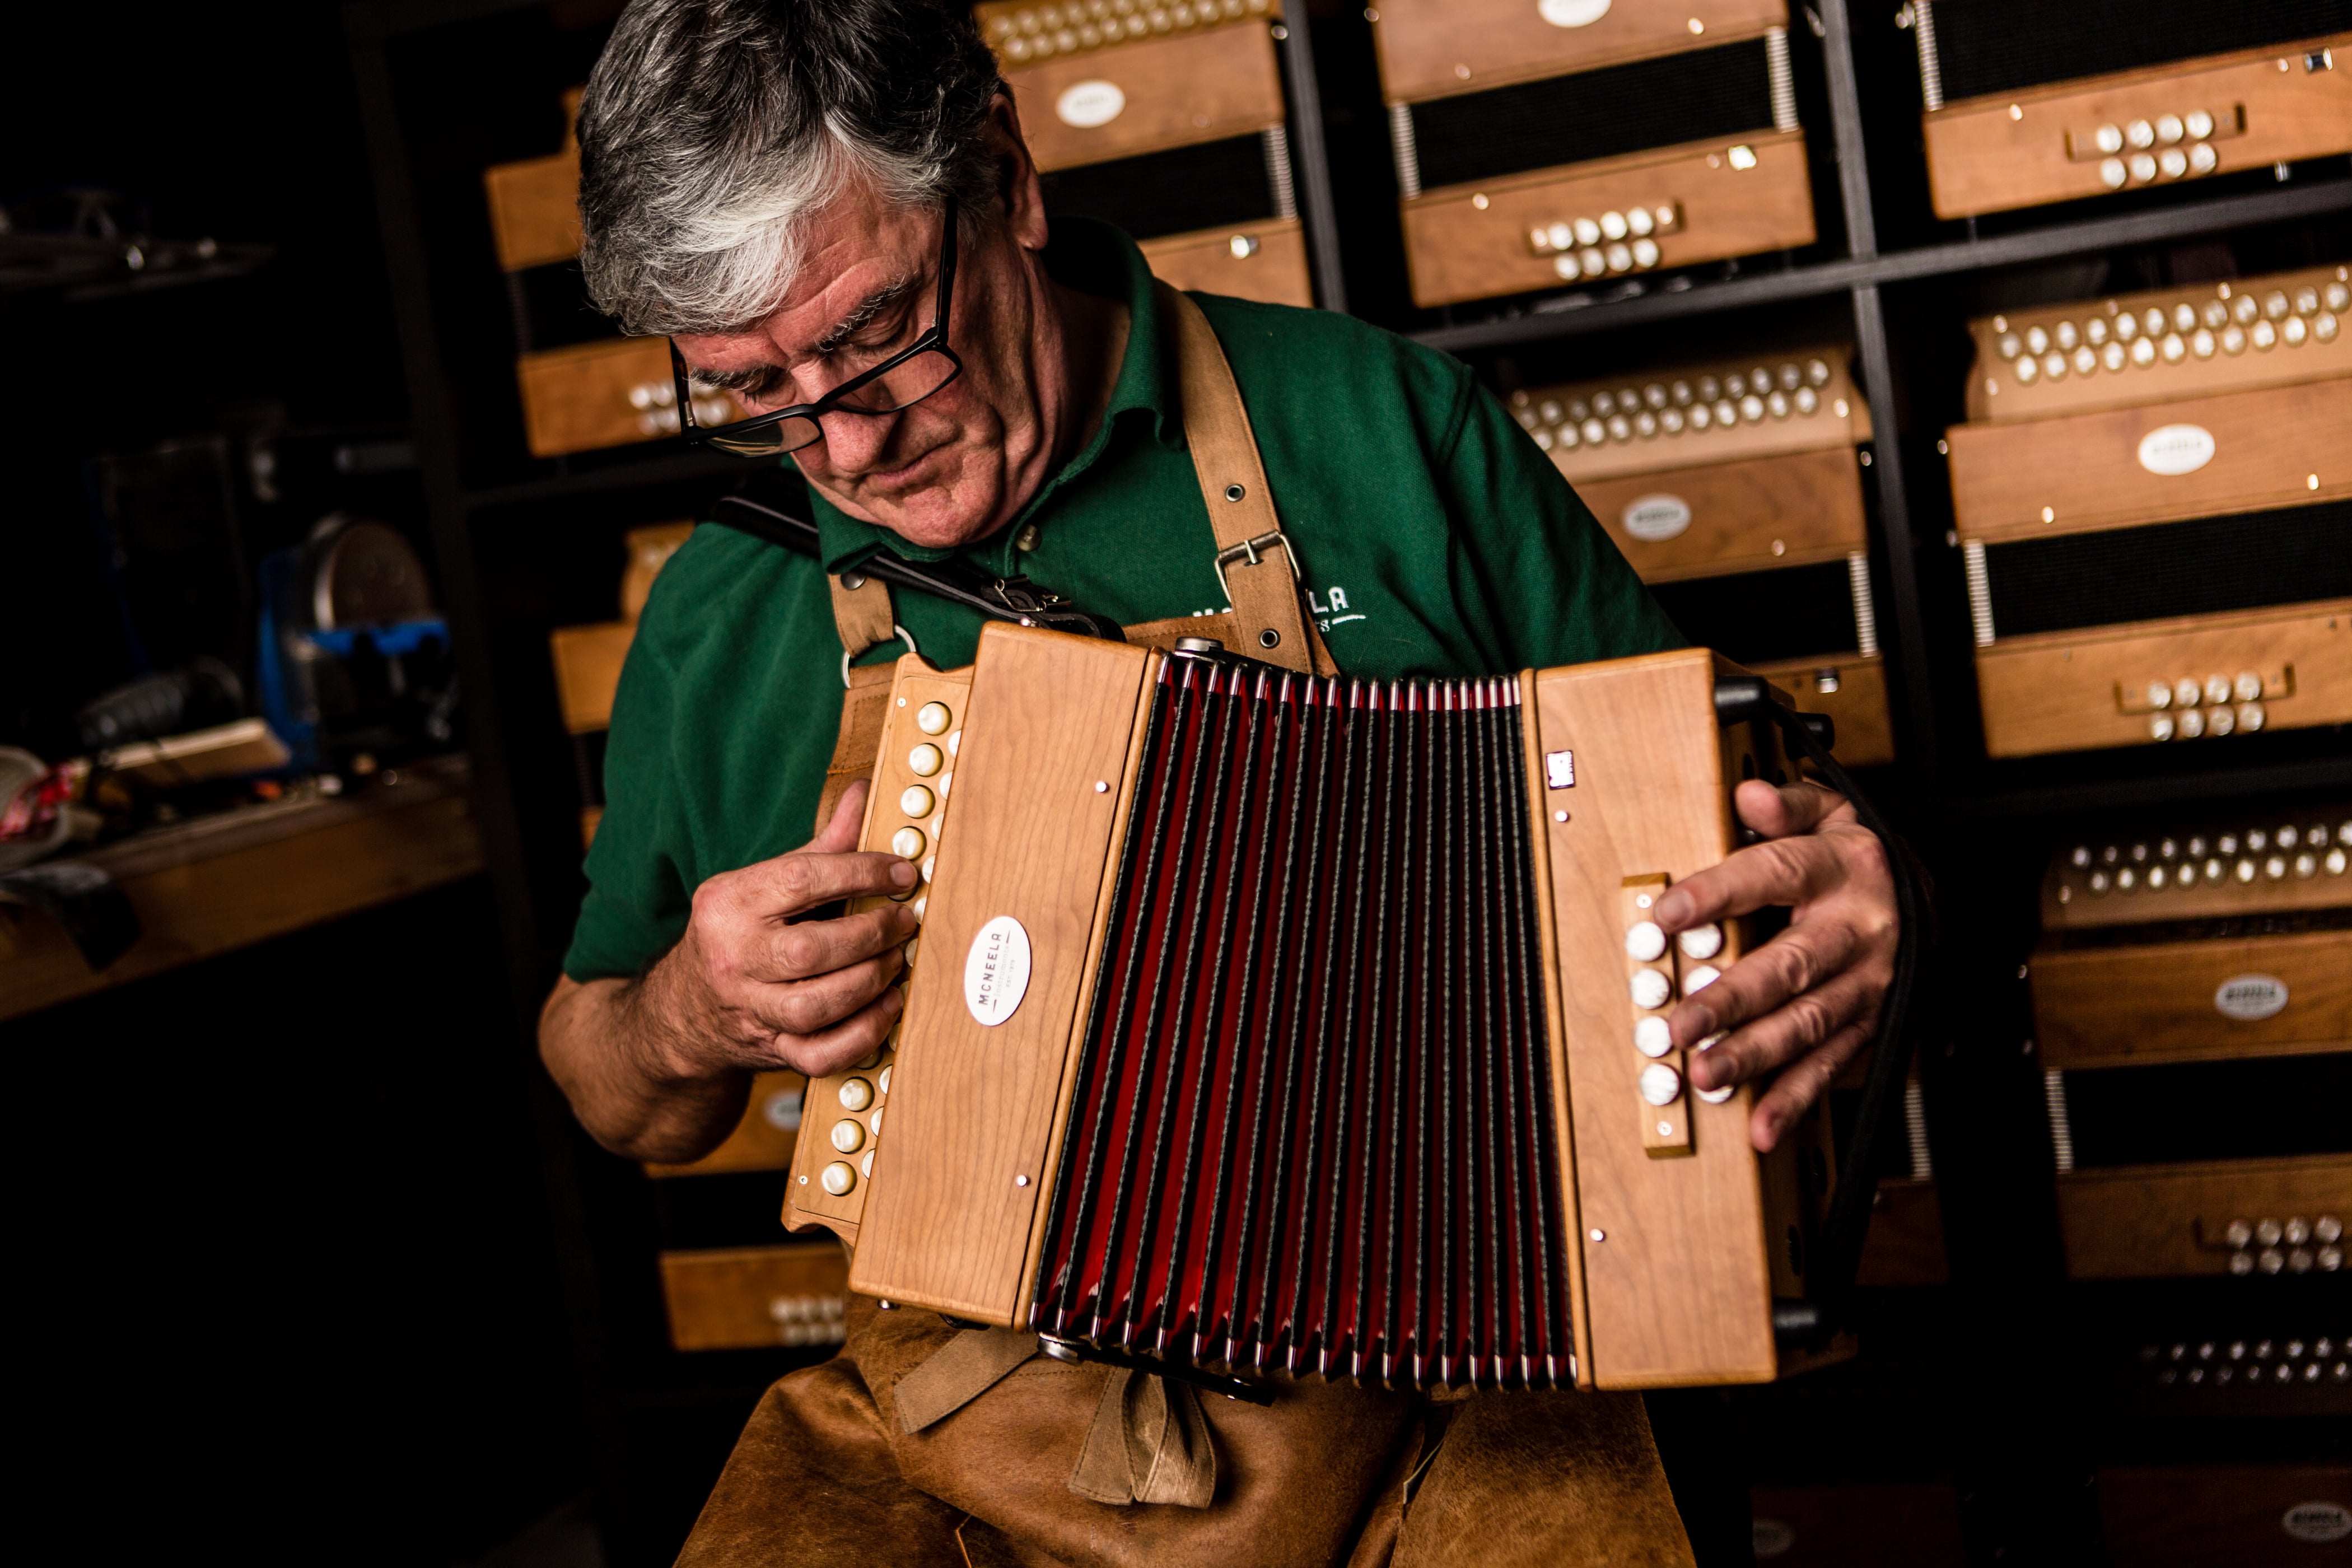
x=1544, y=580
x=638, y=866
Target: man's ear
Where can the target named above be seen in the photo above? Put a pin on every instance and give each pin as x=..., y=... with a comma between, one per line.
x=1018, y=190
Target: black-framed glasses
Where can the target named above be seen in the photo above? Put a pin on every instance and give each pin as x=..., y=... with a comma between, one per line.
x=905, y=378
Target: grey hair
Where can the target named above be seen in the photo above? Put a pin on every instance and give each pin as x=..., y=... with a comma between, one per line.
x=712, y=129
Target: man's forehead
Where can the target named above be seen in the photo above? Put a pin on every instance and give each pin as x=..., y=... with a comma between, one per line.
x=855, y=246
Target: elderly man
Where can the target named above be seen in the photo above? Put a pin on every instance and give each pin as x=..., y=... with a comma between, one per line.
x=830, y=210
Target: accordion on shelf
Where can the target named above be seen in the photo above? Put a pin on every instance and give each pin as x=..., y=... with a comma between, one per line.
x=1317, y=1024
x=2192, y=1007
x=2029, y=102
x=583, y=386
x=1577, y=142
x=1735, y=489
x=1170, y=122
x=2155, y=514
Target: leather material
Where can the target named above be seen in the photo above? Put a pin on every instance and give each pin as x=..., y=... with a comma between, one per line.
x=863, y=708
x=862, y=614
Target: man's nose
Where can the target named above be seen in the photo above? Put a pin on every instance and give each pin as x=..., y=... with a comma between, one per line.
x=854, y=443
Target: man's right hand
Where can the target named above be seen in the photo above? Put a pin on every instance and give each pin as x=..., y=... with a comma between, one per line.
x=659, y=1068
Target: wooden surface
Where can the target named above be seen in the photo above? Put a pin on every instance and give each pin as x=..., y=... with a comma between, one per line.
x=1996, y=391
x=1751, y=515
x=2209, y=1516
x=649, y=550
x=1865, y=728
x=2079, y=691
x=1435, y=49
x=588, y=662
x=535, y=210
x=949, y=1224
x=1678, y=1286
x=1180, y=90
x=2273, y=446
x=576, y=399
x=1981, y=158
x=2114, y=1007
x=1841, y=418
x=763, y=1140
x=2151, y=1222
x=1859, y=1524
x=1904, y=1244
x=224, y=882
x=1456, y=250
x=2071, y=901
x=749, y=1298
x=1275, y=273
x=832, y=1099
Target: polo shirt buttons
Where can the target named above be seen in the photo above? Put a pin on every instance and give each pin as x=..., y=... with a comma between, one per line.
x=1026, y=537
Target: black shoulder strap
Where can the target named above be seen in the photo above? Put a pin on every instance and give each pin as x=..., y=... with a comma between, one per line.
x=999, y=598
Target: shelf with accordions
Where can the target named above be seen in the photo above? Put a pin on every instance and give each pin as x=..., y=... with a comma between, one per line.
x=2028, y=103
x=2192, y=1007
x=2155, y=515
x=1735, y=489
x=1171, y=124
x=1531, y=154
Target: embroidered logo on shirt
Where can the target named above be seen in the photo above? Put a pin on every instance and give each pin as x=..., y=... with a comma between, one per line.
x=1331, y=610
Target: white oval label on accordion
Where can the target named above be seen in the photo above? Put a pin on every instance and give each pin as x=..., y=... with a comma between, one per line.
x=1086, y=104
x=1573, y=13
x=2176, y=449
x=996, y=971
x=2317, y=1522
x=1654, y=520
x=2251, y=998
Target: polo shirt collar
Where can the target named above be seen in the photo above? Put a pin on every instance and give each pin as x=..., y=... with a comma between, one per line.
x=1095, y=258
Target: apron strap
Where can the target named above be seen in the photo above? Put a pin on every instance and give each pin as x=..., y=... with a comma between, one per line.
x=1255, y=564
x=865, y=619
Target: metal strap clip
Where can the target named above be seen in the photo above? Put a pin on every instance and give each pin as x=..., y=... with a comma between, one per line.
x=1247, y=550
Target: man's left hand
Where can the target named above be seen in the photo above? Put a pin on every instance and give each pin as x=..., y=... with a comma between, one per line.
x=1806, y=1002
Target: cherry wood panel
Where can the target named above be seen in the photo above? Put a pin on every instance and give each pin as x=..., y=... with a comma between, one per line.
x=588, y=662
x=2243, y=886
x=1266, y=261
x=2079, y=691
x=1904, y=1244
x=2273, y=446
x=750, y=1296
x=535, y=204
x=2018, y=150
x=2244, y=1516
x=958, y=1182
x=1866, y=728
x=1677, y=1267
x=2152, y=1222
x=223, y=882
x=1437, y=48
x=576, y=399
x=1792, y=510
x=763, y=1140
x=1470, y=241
x=1859, y=1524
x=1996, y=391
x=1840, y=417
x=2114, y=1006
x=1179, y=90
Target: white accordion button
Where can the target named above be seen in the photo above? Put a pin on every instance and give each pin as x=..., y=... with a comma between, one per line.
x=1699, y=979
x=907, y=843
x=838, y=1178
x=933, y=718
x=1661, y=1085
x=1652, y=1037
x=1701, y=941
x=1644, y=942
x=916, y=802
x=1717, y=1096
x=856, y=1094
x=849, y=1136
x=926, y=760
x=1650, y=989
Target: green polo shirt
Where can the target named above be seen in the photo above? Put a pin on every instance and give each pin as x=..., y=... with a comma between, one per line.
x=1435, y=538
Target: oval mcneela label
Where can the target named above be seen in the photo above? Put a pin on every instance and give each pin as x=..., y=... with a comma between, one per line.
x=1573, y=13
x=1086, y=104
x=1656, y=519
x=996, y=971
x=2176, y=449
x=2251, y=998
x=2318, y=1522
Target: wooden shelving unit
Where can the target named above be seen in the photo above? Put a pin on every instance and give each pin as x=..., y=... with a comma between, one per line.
x=451, y=86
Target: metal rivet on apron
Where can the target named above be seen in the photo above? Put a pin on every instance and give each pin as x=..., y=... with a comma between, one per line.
x=1027, y=539
x=853, y=581
x=1234, y=492
x=1269, y=638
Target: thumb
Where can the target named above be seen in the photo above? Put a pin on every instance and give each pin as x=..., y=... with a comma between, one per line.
x=839, y=834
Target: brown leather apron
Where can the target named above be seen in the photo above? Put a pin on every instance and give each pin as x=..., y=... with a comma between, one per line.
x=924, y=1443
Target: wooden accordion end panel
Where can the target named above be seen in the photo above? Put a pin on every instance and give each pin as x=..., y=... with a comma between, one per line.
x=2282, y=864
x=1248, y=1033
x=2201, y=1218
x=841, y=1115
x=2131, y=130
x=1435, y=49
x=1264, y=259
